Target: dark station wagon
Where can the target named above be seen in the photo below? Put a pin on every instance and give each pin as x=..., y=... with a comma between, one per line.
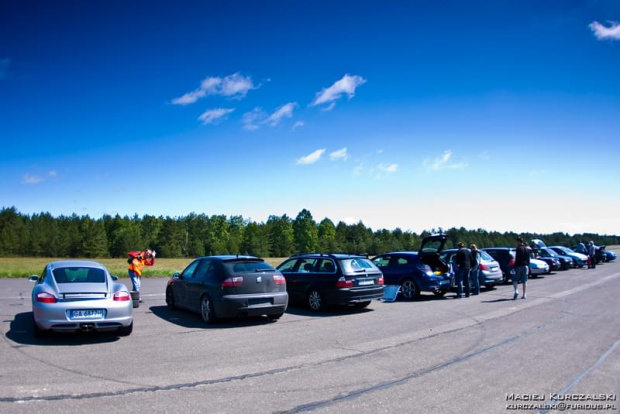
x=321, y=279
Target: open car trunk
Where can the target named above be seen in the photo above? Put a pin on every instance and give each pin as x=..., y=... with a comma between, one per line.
x=429, y=253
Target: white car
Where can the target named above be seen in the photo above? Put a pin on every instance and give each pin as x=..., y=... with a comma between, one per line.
x=538, y=267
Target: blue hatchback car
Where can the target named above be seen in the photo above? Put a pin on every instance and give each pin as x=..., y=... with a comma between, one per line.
x=417, y=272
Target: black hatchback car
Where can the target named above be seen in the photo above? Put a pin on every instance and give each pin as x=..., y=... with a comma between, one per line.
x=416, y=272
x=505, y=256
x=228, y=286
x=321, y=279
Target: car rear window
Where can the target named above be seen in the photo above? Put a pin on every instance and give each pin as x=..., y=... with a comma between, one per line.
x=357, y=265
x=78, y=275
x=485, y=255
x=248, y=266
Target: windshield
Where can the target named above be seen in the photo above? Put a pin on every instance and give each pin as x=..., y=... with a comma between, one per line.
x=549, y=252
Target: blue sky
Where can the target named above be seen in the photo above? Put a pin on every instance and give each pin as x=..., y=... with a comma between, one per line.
x=502, y=115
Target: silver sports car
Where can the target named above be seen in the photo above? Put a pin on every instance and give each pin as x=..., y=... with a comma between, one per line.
x=72, y=295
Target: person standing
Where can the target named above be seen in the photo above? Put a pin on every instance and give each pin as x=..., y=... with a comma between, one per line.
x=522, y=264
x=463, y=264
x=474, y=273
x=592, y=255
x=136, y=264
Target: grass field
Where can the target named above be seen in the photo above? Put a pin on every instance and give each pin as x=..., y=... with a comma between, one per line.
x=26, y=266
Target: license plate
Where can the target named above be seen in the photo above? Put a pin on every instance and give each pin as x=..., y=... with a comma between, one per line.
x=366, y=282
x=87, y=314
x=494, y=268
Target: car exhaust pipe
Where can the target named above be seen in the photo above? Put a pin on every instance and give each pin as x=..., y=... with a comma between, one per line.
x=87, y=327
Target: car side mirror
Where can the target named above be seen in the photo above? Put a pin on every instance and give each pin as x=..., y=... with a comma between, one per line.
x=33, y=278
x=115, y=278
x=177, y=275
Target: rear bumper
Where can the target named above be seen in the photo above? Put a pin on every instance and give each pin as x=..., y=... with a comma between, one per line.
x=488, y=278
x=350, y=296
x=56, y=316
x=251, y=305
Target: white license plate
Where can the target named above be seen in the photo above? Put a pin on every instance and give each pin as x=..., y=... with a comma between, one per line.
x=87, y=314
x=366, y=282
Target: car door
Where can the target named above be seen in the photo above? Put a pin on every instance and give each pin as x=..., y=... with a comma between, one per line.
x=389, y=266
x=196, y=284
x=295, y=283
x=182, y=283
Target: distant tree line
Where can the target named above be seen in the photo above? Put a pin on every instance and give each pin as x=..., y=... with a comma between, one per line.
x=42, y=235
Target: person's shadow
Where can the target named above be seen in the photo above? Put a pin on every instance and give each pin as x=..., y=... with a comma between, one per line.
x=21, y=331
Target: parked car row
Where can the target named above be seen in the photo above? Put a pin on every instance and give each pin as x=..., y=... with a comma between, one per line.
x=74, y=295
x=602, y=254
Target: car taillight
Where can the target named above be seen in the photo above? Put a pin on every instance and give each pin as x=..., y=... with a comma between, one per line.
x=483, y=267
x=121, y=296
x=344, y=283
x=380, y=281
x=279, y=280
x=511, y=262
x=233, y=282
x=45, y=297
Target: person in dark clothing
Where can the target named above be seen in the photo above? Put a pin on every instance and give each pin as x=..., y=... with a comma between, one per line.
x=474, y=274
x=591, y=255
x=463, y=263
x=522, y=263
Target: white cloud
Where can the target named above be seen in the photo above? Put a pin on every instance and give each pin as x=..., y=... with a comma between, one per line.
x=213, y=116
x=340, y=154
x=298, y=125
x=285, y=111
x=392, y=168
x=358, y=170
x=311, y=158
x=252, y=119
x=4, y=68
x=234, y=86
x=484, y=155
x=347, y=85
x=601, y=32
x=29, y=179
x=52, y=174
x=442, y=162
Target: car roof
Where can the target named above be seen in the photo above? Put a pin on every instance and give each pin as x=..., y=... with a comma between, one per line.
x=232, y=257
x=75, y=263
x=332, y=255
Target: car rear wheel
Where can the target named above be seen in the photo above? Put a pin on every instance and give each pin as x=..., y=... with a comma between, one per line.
x=409, y=290
x=315, y=301
x=206, y=310
x=490, y=286
x=170, y=298
x=126, y=330
x=362, y=305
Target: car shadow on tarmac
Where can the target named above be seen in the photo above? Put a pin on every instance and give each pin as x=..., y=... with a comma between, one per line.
x=189, y=319
x=21, y=331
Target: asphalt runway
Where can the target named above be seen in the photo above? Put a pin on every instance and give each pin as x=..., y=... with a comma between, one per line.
x=557, y=350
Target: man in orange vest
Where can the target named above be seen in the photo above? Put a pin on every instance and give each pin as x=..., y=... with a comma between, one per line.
x=136, y=264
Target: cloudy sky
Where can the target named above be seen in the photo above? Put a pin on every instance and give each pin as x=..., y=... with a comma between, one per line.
x=502, y=115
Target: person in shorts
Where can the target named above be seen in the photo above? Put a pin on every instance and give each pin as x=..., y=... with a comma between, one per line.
x=522, y=265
